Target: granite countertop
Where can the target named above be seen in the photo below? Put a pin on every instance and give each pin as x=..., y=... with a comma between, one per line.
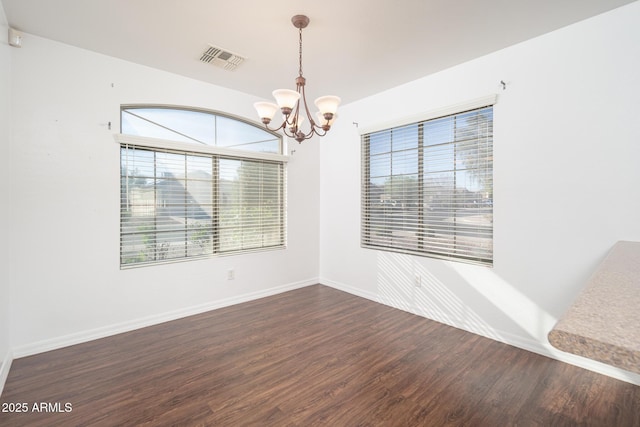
x=604, y=321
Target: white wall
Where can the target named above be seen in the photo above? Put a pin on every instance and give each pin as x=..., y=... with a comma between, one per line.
x=566, y=176
x=66, y=282
x=5, y=179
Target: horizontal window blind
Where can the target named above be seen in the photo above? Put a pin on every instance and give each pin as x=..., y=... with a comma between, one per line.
x=250, y=202
x=427, y=188
x=184, y=205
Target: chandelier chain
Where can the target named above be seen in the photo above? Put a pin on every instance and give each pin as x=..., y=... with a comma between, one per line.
x=300, y=54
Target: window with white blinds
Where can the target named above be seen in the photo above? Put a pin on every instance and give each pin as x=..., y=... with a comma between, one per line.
x=427, y=188
x=180, y=204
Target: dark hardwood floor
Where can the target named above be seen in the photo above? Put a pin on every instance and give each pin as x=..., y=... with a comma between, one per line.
x=310, y=357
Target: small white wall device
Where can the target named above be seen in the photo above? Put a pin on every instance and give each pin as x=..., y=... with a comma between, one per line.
x=15, y=38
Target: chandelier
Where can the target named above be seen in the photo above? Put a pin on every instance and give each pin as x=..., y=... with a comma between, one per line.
x=293, y=103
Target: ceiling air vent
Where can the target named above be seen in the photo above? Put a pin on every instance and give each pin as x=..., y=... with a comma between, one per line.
x=221, y=58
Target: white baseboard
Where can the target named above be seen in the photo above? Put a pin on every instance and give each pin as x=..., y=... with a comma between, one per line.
x=92, y=334
x=524, y=343
x=4, y=369
x=349, y=289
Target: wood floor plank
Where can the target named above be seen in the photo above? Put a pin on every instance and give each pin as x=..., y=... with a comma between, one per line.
x=310, y=357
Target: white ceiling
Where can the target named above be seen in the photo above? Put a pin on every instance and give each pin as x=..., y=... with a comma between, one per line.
x=352, y=48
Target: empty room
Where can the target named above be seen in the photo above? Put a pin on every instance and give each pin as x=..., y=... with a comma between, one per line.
x=295, y=213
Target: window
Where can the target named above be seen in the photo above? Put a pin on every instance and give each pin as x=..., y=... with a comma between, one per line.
x=196, y=184
x=428, y=188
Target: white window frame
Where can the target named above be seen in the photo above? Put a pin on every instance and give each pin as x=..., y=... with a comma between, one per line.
x=216, y=152
x=416, y=225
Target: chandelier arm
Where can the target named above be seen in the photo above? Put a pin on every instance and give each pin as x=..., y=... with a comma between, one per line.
x=274, y=129
x=315, y=130
x=283, y=126
x=296, y=115
x=312, y=122
x=324, y=132
x=291, y=118
x=314, y=126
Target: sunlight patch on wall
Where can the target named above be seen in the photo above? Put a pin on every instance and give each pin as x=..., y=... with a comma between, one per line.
x=525, y=312
x=406, y=284
x=395, y=283
x=436, y=301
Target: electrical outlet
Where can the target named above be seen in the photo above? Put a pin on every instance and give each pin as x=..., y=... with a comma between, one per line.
x=417, y=280
x=231, y=274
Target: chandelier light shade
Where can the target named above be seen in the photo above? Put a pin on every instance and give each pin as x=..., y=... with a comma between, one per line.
x=293, y=103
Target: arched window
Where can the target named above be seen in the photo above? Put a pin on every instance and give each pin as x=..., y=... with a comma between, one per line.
x=196, y=184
